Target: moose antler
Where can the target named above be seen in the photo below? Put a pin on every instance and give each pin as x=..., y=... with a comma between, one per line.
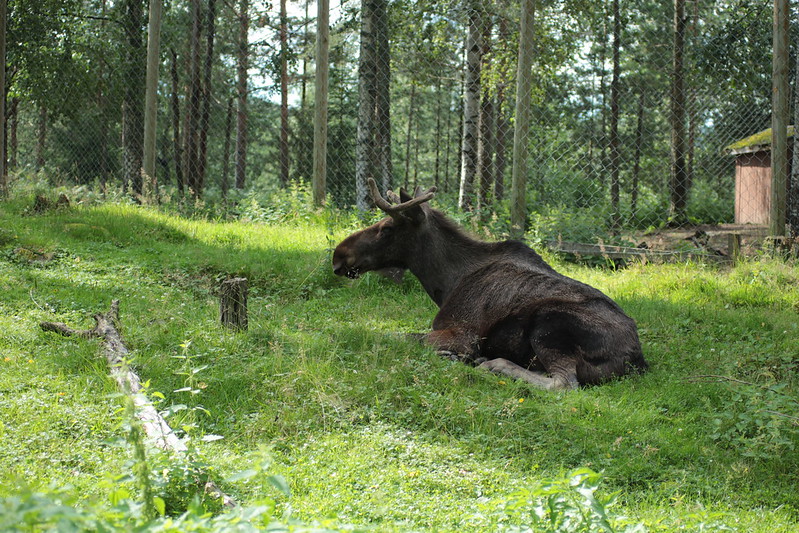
x=397, y=210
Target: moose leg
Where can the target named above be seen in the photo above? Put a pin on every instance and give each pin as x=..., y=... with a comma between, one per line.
x=537, y=379
x=453, y=344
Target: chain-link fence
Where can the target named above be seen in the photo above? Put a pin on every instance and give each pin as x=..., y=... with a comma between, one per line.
x=635, y=106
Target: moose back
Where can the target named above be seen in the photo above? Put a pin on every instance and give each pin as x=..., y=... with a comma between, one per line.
x=501, y=306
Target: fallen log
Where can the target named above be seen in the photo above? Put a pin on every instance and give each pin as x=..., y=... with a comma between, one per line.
x=118, y=355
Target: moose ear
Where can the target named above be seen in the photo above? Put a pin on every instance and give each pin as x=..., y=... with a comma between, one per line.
x=404, y=196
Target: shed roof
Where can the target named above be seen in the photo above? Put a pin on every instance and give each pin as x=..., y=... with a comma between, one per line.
x=759, y=142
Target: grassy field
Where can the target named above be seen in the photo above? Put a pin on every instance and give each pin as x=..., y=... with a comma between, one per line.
x=369, y=429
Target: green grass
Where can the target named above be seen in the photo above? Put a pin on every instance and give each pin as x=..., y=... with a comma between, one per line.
x=369, y=427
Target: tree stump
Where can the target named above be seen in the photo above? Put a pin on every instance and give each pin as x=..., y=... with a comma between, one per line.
x=233, y=303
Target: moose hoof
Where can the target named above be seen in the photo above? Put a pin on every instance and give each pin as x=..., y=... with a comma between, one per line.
x=492, y=365
x=447, y=354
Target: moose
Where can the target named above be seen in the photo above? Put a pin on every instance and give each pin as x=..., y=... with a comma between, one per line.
x=501, y=306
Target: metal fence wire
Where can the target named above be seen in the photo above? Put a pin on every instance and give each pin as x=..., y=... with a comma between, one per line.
x=636, y=107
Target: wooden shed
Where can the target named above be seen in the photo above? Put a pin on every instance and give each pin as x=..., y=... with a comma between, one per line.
x=753, y=176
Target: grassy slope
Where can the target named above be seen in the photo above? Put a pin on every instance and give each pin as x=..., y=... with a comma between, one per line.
x=371, y=428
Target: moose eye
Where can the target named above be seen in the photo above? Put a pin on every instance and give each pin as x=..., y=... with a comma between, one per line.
x=385, y=231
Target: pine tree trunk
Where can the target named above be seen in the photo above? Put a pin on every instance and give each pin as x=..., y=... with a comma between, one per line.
x=409, y=133
x=133, y=98
x=205, y=121
x=678, y=190
x=41, y=137
x=615, y=96
x=365, y=147
x=471, y=107
x=192, y=133
x=373, y=148
x=284, y=97
x=487, y=125
x=177, y=147
x=225, y=185
x=242, y=64
x=384, y=164
x=639, y=141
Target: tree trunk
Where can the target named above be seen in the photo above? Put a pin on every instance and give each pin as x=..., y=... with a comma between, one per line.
x=13, y=144
x=284, y=97
x=373, y=148
x=521, y=127
x=242, y=64
x=437, y=137
x=615, y=96
x=639, y=141
x=151, y=96
x=383, y=96
x=3, y=96
x=678, y=191
x=502, y=124
x=41, y=137
x=177, y=147
x=487, y=125
x=320, y=102
x=207, y=94
x=133, y=98
x=365, y=149
x=409, y=133
x=225, y=185
x=192, y=133
x=471, y=107
x=792, y=207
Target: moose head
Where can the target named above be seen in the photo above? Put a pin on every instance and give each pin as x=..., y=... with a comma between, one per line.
x=385, y=246
x=501, y=305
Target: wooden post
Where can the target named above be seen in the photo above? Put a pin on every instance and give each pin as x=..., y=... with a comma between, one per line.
x=521, y=130
x=779, y=122
x=320, y=111
x=233, y=303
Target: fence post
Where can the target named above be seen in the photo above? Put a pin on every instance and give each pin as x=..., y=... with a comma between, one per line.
x=779, y=122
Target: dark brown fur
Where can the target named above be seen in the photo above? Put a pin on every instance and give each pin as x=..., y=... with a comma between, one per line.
x=499, y=302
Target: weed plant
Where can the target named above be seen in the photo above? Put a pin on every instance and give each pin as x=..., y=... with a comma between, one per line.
x=325, y=414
